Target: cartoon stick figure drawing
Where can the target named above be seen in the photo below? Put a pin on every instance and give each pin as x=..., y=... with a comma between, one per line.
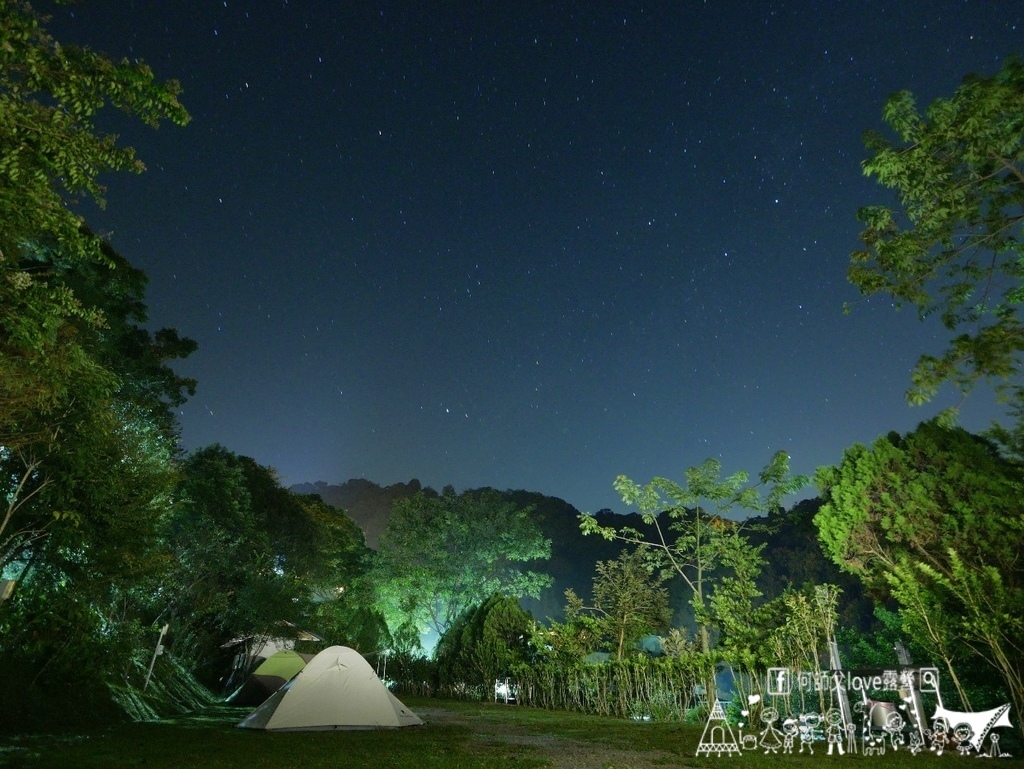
x=771, y=738
x=915, y=743
x=962, y=734
x=834, y=731
x=938, y=736
x=809, y=723
x=894, y=728
x=789, y=731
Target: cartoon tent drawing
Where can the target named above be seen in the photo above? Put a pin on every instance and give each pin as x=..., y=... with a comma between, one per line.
x=718, y=738
x=980, y=723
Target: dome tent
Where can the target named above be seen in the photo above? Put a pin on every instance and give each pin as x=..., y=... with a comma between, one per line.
x=337, y=689
x=273, y=673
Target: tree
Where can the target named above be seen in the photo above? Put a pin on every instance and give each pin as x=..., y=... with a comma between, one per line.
x=71, y=349
x=935, y=520
x=629, y=600
x=122, y=382
x=87, y=482
x=50, y=150
x=484, y=643
x=50, y=153
x=955, y=247
x=249, y=556
x=88, y=475
x=87, y=436
x=699, y=537
x=731, y=610
x=439, y=556
x=80, y=544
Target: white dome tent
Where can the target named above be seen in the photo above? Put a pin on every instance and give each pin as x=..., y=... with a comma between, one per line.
x=337, y=689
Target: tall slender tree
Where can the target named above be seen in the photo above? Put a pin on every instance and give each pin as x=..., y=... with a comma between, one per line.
x=629, y=600
x=700, y=536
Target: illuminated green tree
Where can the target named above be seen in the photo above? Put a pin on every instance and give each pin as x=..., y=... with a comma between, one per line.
x=954, y=247
x=61, y=457
x=87, y=434
x=699, y=538
x=935, y=519
x=87, y=482
x=441, y=555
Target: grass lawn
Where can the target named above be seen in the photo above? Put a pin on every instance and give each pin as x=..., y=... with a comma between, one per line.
x=456, y=735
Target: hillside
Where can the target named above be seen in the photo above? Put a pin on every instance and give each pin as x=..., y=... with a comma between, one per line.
x=366, y=503
x=573, y=556
x=791, y=546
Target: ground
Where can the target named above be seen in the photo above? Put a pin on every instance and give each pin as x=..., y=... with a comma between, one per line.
x=561, y=752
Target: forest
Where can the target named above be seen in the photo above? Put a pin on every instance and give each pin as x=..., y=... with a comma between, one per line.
x=140, y=580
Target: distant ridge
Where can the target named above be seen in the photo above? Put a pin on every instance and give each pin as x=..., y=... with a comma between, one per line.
x=573, y=556
x=793, y=556
x=366, y=503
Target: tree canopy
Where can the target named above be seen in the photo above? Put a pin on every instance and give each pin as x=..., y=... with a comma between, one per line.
x=484, y=643
x=935, y=520
x=50, y=153
x=50, y=150
x=954, y=246
x=249, y=556
x=700, y=536
x=87, y=447
x=87, y=433
x=76, y=365
x=629, y=601
x=441, y=555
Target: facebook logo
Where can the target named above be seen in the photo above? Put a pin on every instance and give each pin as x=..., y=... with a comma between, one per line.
x=778, y=681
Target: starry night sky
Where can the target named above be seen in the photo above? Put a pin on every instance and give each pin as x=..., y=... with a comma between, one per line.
x=527, y=245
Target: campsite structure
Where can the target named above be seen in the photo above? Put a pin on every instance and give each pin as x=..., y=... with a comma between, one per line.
x=273, y=673
x=337, y=689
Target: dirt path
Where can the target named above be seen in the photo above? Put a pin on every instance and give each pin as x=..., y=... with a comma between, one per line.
x=562, y=753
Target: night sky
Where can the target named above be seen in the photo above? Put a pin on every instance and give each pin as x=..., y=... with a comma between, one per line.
x=527, y=245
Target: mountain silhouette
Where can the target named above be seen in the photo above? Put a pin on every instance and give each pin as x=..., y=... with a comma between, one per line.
x=794, y=557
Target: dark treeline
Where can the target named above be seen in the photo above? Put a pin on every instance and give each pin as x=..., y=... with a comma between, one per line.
x=791, y=540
